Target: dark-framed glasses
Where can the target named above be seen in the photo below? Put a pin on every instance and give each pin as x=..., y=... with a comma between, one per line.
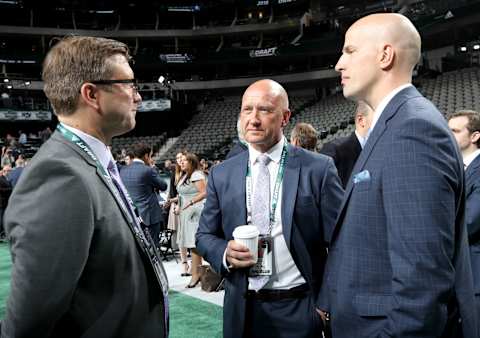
x=133, y=82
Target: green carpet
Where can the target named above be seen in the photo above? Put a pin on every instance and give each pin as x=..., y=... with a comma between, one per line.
x=189, y=317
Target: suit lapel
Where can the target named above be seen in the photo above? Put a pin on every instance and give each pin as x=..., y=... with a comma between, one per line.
x=390, y=110
x=104, y=178
x=237, y=175
x=289, y=192
x=472, y=168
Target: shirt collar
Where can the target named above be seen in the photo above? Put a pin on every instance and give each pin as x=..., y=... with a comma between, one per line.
x=362, y=140
x=275, y=152
x=386, y=100
x=138, y=160
x=99, y=148
x=469, y=158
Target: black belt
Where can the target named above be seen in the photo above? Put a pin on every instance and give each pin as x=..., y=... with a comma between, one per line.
x=269, y=295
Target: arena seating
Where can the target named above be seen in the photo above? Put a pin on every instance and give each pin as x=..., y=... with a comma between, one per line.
x=215, y=127
x=454, y=90
x=156, y=142
x=212, y=131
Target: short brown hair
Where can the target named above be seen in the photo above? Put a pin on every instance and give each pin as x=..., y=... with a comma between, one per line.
x=141, y=149
x=73, y=61
x=306, y=135
x=473, y=121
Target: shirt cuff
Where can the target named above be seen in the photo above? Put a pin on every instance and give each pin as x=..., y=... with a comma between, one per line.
x=225, y=264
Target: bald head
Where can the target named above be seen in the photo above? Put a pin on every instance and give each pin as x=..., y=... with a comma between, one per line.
x=264, y=114
x=378, y=56
x=395, y=30
x=272, y=89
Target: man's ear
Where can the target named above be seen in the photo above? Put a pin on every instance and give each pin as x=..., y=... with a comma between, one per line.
x=89, y=95
x=475, y=136
x=387, y=57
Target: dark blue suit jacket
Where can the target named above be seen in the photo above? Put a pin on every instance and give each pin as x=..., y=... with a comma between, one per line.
x=399, y=252
x=141, y=182
x=311, y=194
x=344, y=152
x=14, y=175
x=472, y=219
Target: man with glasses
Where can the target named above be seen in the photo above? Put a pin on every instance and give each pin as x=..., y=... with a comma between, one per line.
x=82, y=266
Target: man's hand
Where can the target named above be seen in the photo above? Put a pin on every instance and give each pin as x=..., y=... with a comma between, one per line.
x=323, y=315
x=238, y=256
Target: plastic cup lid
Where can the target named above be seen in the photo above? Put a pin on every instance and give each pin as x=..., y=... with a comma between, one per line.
x=245, y=231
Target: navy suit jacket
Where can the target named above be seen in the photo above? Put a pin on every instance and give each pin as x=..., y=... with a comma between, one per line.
x=344, y=152
x=472, y=219
x=399, y=252
x=311, y=194
x=14, y=175
x=141, y=182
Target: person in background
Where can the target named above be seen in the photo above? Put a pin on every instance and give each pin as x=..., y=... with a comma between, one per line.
x=465, y=126
x=346, y=150
x=304, y=135
x=171, y=205
x=240, y=145
x=22, y=137
x=191, y=193
x=15, y=173
x=143, y=182
x=5, y=192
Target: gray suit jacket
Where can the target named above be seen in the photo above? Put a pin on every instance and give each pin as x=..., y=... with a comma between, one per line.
x=77, y=269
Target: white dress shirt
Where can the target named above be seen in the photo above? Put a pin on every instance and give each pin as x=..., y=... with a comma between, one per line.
x=285, y=274
x=383, y=104
x=469, y=158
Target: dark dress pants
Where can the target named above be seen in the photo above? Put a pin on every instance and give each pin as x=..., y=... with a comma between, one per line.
x=286, y=318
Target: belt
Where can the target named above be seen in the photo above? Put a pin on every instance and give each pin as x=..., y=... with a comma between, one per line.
x=269, y=295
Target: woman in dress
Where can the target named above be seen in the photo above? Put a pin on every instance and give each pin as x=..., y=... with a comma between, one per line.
x=191, y=192
x=172, y=202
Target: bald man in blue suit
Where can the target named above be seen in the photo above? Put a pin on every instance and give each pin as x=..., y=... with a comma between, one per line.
x=286, y=306
x=398, y=265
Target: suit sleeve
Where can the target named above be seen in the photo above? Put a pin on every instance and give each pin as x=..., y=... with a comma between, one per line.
x=419, y=182
x=329, y=149
x=331, y=199
x=50, y=225
x=158, y=183
x=210, y=239
x=472, y=213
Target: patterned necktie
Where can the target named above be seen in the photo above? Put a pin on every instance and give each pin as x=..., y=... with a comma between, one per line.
x=145, y=238
x=261, y=210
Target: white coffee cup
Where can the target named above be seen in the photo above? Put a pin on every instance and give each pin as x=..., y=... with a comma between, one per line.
x=248, y=236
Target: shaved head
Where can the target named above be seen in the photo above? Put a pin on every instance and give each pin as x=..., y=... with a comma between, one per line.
x=271, y=88
x=264, y=114
x=395, y=30
x=379, y=55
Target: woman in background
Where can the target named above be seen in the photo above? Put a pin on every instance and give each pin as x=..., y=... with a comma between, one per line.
x=172, y=202
x=191, y=192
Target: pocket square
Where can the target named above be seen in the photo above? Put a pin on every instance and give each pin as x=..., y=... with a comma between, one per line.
x=362, y=176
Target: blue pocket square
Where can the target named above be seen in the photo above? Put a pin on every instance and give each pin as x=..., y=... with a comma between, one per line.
x=362, y=176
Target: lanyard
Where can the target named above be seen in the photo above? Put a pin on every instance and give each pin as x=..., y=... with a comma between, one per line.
x=84, y=146
x=276, y=189
x=145, y=239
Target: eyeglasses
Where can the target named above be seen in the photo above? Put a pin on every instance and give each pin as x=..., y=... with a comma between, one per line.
x=133, y=82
